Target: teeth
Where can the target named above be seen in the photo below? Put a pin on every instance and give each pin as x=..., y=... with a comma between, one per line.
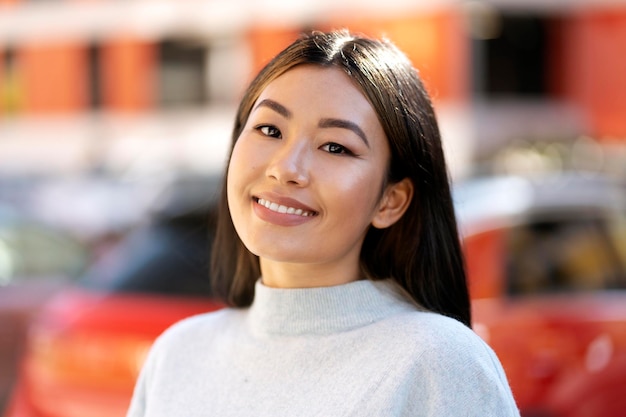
x=283, y=209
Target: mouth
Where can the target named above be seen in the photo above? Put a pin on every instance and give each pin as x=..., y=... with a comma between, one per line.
x=279, y=208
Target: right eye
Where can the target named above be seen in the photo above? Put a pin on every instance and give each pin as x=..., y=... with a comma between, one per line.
x=269, y=130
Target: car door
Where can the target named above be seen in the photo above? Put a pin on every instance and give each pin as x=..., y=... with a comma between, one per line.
x=549, y=298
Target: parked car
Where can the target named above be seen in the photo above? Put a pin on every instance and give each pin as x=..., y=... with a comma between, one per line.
x=50, y=229
x=547, y=266
x=36, y=260
x=88, y=343
x=546, y=261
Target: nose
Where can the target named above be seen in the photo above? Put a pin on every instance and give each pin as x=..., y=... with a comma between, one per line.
x=289, y=164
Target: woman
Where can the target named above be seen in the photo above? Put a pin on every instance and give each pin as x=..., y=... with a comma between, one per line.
x=338, y=251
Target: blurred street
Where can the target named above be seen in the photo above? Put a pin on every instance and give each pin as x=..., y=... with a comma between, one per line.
x=115, y=124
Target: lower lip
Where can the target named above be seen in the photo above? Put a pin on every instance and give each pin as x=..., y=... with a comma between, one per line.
x=279, y=219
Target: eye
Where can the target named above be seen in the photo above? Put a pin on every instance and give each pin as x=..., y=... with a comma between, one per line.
x=269, y=130
x=336, y=148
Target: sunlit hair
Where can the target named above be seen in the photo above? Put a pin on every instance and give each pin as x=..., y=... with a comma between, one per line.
x=421, y=252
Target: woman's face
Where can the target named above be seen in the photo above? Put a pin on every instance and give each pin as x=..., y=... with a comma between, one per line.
x=306, y=175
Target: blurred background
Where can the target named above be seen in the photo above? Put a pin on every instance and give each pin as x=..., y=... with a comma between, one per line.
x=115, y=119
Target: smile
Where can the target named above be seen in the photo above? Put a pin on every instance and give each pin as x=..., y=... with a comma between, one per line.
x=279, y=208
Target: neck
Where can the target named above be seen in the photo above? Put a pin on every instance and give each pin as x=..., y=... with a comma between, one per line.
x=295, y=275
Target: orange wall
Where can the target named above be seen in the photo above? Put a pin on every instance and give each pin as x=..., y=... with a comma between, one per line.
x=266, y=42
x=589, y=64
x=434, y=42
x=594, y=69
x=53, y=76
x=128, y=75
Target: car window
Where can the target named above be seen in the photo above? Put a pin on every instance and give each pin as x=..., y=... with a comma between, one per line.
x=29, y=251
x=574, y=254
x=167, y=256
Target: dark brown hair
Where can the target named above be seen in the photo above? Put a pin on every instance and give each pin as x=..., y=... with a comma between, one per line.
x=421, y=251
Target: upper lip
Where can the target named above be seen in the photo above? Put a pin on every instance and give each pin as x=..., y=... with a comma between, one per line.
x=284, y=201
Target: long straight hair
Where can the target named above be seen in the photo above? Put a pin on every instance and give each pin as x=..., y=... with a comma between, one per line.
x=421, y=251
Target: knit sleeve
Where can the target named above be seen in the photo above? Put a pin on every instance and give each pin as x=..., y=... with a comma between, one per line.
x=459, y=375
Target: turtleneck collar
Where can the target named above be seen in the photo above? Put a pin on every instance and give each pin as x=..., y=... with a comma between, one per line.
x=324, y=310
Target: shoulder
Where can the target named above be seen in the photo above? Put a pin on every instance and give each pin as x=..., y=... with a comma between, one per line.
x=204, y=321
x=447, y=356
x=433, y=329
x=444, y=342
x=197, y=331
x=181, y=347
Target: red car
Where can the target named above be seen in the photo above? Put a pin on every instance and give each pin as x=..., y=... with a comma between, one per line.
x=547, y=268
x=36, y=260
x=88, y=343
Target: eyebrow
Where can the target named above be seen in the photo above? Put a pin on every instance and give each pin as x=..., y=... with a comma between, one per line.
x=345, y=124
x=324, y=123
x=277, y=107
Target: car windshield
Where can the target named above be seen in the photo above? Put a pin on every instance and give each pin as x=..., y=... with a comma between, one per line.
x=167, y=256
x=566, y=254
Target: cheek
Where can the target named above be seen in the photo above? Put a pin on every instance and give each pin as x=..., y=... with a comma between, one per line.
x=235, y=191
x=246, y=155
x=241, y=159
x=236, y=172
x=237, y=156
x=357, y=189
x=244, y=168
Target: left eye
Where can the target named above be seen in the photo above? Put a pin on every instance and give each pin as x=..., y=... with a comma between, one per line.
x=336, y=148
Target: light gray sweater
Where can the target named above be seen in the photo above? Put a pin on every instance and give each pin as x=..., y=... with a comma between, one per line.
x=359, y=349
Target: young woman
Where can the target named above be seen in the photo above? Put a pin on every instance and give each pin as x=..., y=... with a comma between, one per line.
x=338, y=251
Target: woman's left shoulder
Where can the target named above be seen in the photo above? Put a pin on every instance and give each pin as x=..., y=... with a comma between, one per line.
x=439, y=329
x=444, y=340
x=448, y=355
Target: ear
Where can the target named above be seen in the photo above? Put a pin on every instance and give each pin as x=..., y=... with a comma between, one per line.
x=393, y=204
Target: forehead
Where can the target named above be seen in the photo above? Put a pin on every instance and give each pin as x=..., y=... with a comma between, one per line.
x=330, y=86
x=322, y=91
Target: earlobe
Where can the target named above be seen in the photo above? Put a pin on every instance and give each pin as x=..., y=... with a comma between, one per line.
x=394, y=203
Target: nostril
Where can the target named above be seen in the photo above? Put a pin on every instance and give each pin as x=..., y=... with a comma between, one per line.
x=288, y=174
x=289, y=163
